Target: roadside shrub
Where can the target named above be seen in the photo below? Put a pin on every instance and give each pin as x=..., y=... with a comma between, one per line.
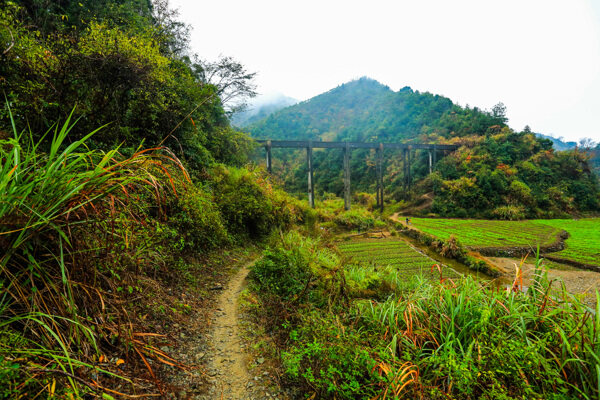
x=282, y=272
x=333, y=362
x=450, y=248
x=509, y=212
x=250, y=205
x=196, y=220
x=365, y=199
x=358, y=218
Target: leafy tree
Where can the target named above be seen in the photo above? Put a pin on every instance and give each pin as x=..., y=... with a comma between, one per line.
x=124, y=63
x=234, y=84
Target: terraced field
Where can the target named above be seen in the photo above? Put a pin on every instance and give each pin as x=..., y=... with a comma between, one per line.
x=393, y=252
x=583, y=245
x=485, y=233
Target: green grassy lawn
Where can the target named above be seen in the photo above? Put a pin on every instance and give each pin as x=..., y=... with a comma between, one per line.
x=391, y=252
x=583, y=244
x=486, y=233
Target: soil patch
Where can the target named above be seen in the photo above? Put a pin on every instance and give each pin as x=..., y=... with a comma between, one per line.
x=576, y=281
x=228, y=366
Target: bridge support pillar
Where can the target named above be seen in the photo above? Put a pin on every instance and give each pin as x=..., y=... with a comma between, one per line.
x=430, y=161
x=269, y=157
x=408, y=168
x=311, y=186
x=380, y=177
x=347, y=176
x=434, y=156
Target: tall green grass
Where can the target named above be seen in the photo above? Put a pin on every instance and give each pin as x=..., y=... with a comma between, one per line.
x=474, y=341
x=53, y=193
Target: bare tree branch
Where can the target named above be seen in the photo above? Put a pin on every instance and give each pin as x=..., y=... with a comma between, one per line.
x=234, y=84
x=12, y=40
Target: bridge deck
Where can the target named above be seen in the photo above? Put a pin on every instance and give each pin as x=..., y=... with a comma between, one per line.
x=301, y=144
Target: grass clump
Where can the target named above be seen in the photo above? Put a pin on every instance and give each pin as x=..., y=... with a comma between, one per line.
x=470, y=341
x=359, y=219
x=284, y=273
x=60, y=210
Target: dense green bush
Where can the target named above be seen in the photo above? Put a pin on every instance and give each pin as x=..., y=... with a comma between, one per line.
x=282, y=272
x=325, y=358
x=358, y=218
x=251, y=206
x=196, y=220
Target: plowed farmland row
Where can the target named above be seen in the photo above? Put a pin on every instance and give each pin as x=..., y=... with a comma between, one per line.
x=392, y=252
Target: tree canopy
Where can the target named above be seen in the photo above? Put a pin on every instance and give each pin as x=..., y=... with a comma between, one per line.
x=124, y=63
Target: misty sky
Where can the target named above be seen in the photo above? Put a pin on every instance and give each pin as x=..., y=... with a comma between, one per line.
x=541, y=58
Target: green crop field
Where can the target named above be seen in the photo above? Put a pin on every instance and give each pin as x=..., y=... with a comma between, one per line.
x=486, y=233
x=393, y=252
x=583, y=245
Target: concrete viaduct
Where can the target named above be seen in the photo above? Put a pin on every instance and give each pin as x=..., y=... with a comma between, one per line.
x=309, y=145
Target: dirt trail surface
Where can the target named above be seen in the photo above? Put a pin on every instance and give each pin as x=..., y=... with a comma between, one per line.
x=212, y=343
x=228, y=365
x=229, y=361
x=576, y=280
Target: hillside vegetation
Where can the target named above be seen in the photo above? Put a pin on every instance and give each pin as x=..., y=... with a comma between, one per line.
x=497, y=172
x=122, y=195
x=126, y=199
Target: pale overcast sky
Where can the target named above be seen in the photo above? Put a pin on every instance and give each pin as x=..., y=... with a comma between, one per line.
x=541, y=58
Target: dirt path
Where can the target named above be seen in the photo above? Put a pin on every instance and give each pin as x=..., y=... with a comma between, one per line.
x=228, y=366
x=576, y=280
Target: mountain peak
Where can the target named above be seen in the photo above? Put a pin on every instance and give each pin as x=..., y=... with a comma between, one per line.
x=361, y=110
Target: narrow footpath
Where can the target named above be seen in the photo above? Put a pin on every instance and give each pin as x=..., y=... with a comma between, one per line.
x=230, y=377
x=229, y=356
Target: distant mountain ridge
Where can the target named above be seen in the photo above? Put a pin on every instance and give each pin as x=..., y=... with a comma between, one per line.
x=366, y=110
x=260, y=108
x=558, y=143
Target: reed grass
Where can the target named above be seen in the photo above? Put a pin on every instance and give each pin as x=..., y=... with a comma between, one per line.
x=470, y=340
x=53, y=290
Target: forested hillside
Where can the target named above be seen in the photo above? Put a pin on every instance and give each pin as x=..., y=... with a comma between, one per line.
x=123, y=64
x=497, y=172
